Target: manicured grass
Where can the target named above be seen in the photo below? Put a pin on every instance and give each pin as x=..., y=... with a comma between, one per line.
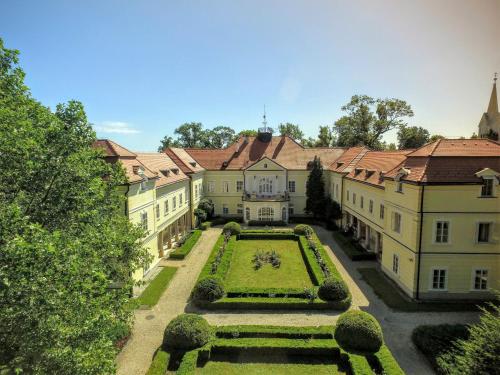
x=393, y=298
x=291, y=274
x=185, y=249
x=156, y=287
x=229, y=368
x=350, y=249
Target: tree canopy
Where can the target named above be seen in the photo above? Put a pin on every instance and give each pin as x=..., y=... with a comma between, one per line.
x=193, y=134
x=412, y=137
x=315, y=189
x=64, y=238
x=291, y=130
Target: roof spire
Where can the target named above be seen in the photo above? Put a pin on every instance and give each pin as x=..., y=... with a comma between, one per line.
x=264, y=120
x=493, y=105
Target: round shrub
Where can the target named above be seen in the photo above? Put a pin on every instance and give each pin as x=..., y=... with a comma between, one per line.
x=208, y=289
x=233, y=227
x=186, y=332
x=302, y=229
x=333, y=289
x=358, y=330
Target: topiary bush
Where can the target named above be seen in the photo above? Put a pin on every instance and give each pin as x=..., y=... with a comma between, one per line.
x=302, y=229
x=232, y=227
x=358, y=330
x=186, y=332
x=333, y=289
x=209, y=289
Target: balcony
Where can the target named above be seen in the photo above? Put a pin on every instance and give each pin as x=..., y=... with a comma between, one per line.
x=255, y=197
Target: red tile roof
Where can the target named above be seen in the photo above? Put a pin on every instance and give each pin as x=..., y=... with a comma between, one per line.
x=459, y=147
x=167, y=171
x=246, y=151
x=348, y=159
x=111, y=148
x=184, y=160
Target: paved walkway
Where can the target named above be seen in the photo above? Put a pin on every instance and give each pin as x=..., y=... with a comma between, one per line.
x=147, y=334
x=397, y=326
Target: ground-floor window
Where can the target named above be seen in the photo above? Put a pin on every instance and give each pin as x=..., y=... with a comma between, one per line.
x=266, y=214
x=225, y=209
x=247, y=213
x=438, y=279
x=283, y=214
x=395, y=263
x=480, y=279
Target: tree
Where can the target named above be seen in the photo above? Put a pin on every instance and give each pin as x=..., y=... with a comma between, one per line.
x=190, y=134
x=309, y=142
x=315, y=190
x=219, y=137
x=167, y=142
x=248, y=133
x=412, y=137
x=325, y=137
x=435, y=137
x=479, y=354
x=64, y=239
x=291, y=130
x=390, y=147
x=367, y=119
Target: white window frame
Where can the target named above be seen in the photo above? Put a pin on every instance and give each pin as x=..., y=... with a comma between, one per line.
x=473, y=279
x=431, y=279
x=348, y=195
x=490, y=232
x=291, y=186
x=382, y=212
x=180, y=199
x=239, y=186
x=370, y=206
x=393, y=224
x=144, y=221
x=395, y=261
x=225, y=209
x=157, y=209
x=211, y=186
x=435, y=232
x=174, y=203
x=492, y=181
x=165, y=207
x=225, y=186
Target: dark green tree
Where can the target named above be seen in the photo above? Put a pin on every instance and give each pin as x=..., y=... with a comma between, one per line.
x=291, y=130
x=219, y=137
x=64, y=240
x=167, y=142
x=412, y=137
x=435, y=137
x=325, y=137
x=367, y=119
x=191, y=135
x=315, y=190
x=248, y=133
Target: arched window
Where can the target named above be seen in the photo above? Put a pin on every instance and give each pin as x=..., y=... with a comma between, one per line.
x=266, y=214
x=265, y=185
x=283, y=214
x=247, y=213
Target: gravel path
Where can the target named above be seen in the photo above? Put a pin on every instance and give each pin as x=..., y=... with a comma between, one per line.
x=397, y=326
x=149, y=325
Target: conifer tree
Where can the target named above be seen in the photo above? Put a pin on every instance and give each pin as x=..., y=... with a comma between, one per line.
x=315, y=190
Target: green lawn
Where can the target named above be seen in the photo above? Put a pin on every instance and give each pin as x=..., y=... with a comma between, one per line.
x=291, y=274
x=156, y=287
x=393, y=298
x=230, y=368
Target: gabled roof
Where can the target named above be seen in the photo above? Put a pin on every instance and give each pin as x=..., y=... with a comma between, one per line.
x=111, y=148
x=167, y=171
x=248, y=150
x=346, y=162
x=459, y=147
x=184, y=160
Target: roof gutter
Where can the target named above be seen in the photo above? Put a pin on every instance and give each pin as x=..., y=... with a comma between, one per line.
x=419, y=255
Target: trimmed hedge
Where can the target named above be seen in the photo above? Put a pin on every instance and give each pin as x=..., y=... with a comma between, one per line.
x=358, y=330
x=209, y=289
x=187, y=246
x=187, y=331
x=266, y=303
x=257, y=223
x=232, y=227
x=205, y=225
x=160, y=363
x=223, y=266
x=302, y=229
x=267, y=235
x=258, y=331
x=333, y=289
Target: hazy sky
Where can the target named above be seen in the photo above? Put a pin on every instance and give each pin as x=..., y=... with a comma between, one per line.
x=144, y=67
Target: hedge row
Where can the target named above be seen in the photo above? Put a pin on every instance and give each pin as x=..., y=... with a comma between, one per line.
x=256, y=331
x=223, y=266
x=266, y=292
x=160, y=363
x=257, y=223
x=187, y=246
x=267, y=235
x=281, y=230
x=266, y=303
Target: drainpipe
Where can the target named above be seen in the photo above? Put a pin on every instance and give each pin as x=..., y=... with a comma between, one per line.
x=420, y=241
x=126, y=200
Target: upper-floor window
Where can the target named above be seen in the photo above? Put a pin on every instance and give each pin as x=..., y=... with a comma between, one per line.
x=442, y=232
x=291, y=186
x=265, y=185
x=438, y=279
x=487, y=188
x=382, y=212
x=395, y=263
x=480, y=281
x=337, y=190
x=239, y=186
x=399, y=186
x=196, y=191
x=225, y=186
x=157, y=210
x=180, y=199
x=211, y=186
x=174, y=203
x=353, y=198
x=348, y=195
x=370, y=206
x=396, y=222
x=165, y=208
x=144, y=220
x=362, y=203
x=483, y=232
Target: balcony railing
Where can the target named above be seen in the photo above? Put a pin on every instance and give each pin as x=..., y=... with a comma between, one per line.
x=255, y=197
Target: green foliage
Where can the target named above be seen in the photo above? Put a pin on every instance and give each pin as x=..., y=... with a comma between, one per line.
x=64, y=240
x=259, y=331
x=326, y=137
x=367, y=119
x=291, y=130
x=218, y=137
x=200, y=214
x=302, y=229
x=151, y=295
x=358, y=330
x=193, y=135
x=315, y=190
x=160, y=363
x=478, y=354
x=207, y=206
x=187, y=331
x=436, y=340
x=187, y=246
x=333, y=289
x=167, y=142
x=205, y=225
x=232, y=227
x=412, y=137
x=209, y=289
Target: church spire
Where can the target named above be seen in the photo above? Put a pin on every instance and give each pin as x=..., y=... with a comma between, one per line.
x=493, y=105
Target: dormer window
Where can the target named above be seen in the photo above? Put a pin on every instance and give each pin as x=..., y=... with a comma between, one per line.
x=487, y=188
x=165, y=172
x=193, y=163
x=175, y=170
x=339, y=164
x=358, y=171
x=399, y=186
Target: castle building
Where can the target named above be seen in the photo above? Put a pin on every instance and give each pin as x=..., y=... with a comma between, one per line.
x=489, y=126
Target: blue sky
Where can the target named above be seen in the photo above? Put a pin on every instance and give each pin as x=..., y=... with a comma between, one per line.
x=144, y=67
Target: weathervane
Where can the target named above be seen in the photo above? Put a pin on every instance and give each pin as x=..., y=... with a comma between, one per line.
x=494, y=80
x=264, y=121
